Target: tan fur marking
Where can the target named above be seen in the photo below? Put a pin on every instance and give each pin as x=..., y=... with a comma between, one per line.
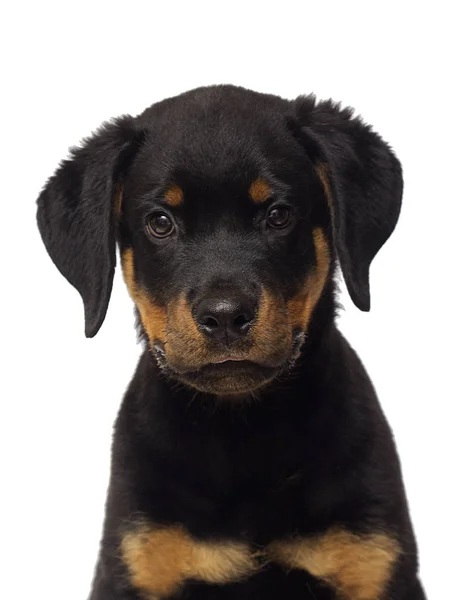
x=259, y=191
x=153, y=317
x=118, y=201
x=322, y=171
x=359, y=567
x=181, y=311
x=174, y=195
x=160, y=560
x=271, y=334
x=270, y=328
x=157, y=560
x=300, y=308
x=222, y=563
x=184, y=337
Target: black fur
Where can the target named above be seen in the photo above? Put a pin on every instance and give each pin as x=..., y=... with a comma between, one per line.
x=311, y=449
x=366, y=184
x=76, y=219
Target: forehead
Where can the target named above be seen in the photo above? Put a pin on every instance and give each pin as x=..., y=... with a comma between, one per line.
x=218, y=138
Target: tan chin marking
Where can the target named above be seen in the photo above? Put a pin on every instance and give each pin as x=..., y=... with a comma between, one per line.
x=259, y=191
x=358, y=567
x=153, y=316
x=174, y=196
x=160, y=560
x=301, y=307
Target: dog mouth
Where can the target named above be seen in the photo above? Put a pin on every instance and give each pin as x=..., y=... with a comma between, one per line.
x=229, y=375
x=222, y=361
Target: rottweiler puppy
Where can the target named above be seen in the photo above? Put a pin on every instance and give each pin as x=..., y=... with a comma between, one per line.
x=251, y=458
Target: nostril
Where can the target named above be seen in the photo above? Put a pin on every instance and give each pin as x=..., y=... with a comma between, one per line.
x=209, y=322
x=241, y=321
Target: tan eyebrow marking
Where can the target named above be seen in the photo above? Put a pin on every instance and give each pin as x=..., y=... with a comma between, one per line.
x=174, y=195
x=260, y=191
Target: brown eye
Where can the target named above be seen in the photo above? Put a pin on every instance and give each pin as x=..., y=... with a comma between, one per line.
x=279, y=217
x=159, y=225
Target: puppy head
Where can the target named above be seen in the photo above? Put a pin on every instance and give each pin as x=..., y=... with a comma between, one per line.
x=229, y=208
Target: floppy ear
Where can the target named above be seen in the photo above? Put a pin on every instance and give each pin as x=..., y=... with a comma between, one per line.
x=77, y=217
x=363, y=179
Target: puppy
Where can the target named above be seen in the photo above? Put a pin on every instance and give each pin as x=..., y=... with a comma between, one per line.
x=251, y=458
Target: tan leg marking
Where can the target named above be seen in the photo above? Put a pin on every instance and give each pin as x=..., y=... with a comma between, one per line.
x=301, y=307
x=359, y=567
x=153, y=317
x=161, y=560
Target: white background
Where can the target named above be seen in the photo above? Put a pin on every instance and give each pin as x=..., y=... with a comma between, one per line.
x=68, y=66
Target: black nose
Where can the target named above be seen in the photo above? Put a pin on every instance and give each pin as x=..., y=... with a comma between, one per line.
x=227, y=318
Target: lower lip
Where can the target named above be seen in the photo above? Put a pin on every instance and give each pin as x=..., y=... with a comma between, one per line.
x=229, y=366
x=225, y=360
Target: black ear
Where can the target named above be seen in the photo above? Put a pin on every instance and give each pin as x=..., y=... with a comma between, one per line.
x=77, y=218
x=364, y=179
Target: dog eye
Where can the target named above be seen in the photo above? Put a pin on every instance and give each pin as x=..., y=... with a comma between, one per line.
x=279, y=217
x=159, y=225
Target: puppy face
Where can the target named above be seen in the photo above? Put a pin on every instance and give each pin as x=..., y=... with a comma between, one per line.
x=229, y=208
x=225, y=251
